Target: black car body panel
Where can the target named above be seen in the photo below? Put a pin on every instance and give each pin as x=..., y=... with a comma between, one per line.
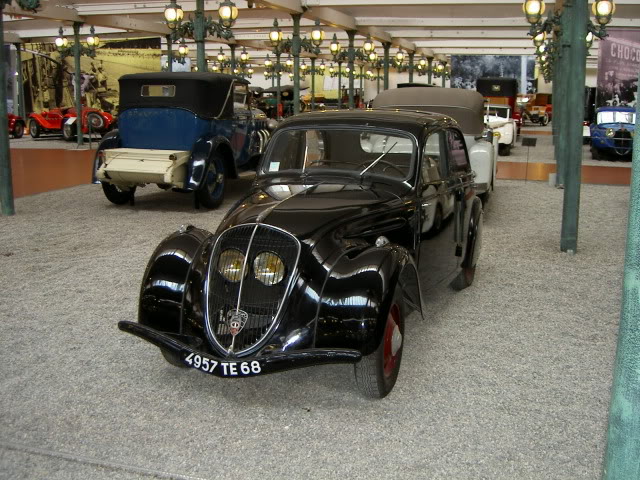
x=350, y=244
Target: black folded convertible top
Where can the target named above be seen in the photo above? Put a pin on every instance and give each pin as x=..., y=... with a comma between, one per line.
x=208, y=95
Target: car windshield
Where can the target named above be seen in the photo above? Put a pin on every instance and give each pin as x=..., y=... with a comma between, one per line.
x=360, y=151
x=616, y=117
x=502, y=112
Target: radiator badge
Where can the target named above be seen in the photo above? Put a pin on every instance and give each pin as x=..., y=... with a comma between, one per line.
x=236, y=319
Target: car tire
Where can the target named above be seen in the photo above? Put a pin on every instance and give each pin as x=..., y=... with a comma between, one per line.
x=544, y=120
x=376, y=374
x=34, y=129
x=464, y=278
x=211, y=192
x=18, y=130
x=595, y=153
x=504, y=150
x=173, y=359
x=116, y=195
x=69, y=132
x=96, y=121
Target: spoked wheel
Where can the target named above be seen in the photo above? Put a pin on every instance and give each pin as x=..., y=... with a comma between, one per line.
x=34, y=129
x=117, y=195
x=211, y=193
x=18, y=130
x=376, y=374
x=69, y=132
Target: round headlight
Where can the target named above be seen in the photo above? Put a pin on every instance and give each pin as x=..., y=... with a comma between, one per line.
x=230, y=265
x=268, y=268
x=610, y=133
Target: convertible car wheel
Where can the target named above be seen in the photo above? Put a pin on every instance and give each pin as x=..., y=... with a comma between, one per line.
x=211, y=193
x=504, y=150
x=18, y=130
x=376, y=374
x=595, y=153
x=95, y=121
x=34, y=129
x=69, y=132
x=116, y=194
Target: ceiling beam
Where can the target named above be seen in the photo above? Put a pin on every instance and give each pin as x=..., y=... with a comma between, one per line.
x=332, y=17
x=127, y=23
x=48, y=11
x=289, y=6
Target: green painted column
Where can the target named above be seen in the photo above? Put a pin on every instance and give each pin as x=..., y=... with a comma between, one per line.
x=295, y=51
x=199, y=35
x=386, y=46
x=411, y=55
x=313, y=83
x=169, y=53
x=278, y=81
x=21, y=110
x=576, y=64
x=429, y=70
x=6, y=184
x=351, y=56
x=564, y=78
x=78, y=81
x=339, y=85
x=361, y=84
x=378, y=79
x=622, y=458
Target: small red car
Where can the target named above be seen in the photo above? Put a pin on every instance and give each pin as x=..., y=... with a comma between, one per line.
x=58, y=120
x=16, y=125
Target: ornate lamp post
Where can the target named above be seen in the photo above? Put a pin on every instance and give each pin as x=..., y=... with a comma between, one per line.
x=442, y=70
x=339, y=56
x=76, y=50
x=200, y=27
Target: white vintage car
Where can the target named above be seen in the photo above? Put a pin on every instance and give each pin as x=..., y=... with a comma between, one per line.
x=499, y=119
x=464, y=106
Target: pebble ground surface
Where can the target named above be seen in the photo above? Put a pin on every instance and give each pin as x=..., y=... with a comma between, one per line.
x=508, y=379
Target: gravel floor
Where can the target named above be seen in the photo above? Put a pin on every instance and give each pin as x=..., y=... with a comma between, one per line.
x=508, y=379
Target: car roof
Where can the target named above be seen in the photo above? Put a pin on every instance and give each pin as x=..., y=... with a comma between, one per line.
x=466, y=106
x=412, y=121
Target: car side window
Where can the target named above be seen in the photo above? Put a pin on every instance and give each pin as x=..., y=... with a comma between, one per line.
x=240, y=95
x=458, y=158
x=433, y=167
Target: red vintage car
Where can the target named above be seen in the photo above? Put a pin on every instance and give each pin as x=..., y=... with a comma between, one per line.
x=62, y=120
x=16, y=125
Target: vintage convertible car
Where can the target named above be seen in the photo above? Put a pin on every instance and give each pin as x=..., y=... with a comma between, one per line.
x=499, y=119
x=63, y=120
x=16, y=125
x=185, y=131
x=353, y=217
x=613, y=131
x=467, y=108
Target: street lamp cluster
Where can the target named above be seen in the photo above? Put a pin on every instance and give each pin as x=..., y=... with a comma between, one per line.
x=547, y=45
x=66, y=50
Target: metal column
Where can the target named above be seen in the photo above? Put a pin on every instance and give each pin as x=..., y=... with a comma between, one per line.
x=576, y=64
x=232, y=47
x=411, y=54
x=78, y=81
x=295, y=51
x=21, y=110
x=351, y=55
x=386, y=46
x=313, y=83
x=169, y=53
x=623, y=438
x=198, y=36
x=6, y=185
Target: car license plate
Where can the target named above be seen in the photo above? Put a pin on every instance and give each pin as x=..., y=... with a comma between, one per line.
x=225, y=369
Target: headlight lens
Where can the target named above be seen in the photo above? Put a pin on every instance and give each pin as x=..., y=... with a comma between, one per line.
x=610, y=133
x=268, y=268
x=230, y=265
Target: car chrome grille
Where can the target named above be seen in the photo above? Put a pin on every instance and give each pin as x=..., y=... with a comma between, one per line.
x=622, y=139
x=261, y=303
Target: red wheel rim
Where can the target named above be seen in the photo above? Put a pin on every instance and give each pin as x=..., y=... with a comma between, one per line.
x=389, y=360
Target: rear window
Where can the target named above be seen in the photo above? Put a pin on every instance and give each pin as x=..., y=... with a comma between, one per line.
x=158, y=91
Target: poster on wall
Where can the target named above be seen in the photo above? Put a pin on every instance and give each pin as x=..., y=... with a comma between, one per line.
x=618, y=67
x=466, y=69
x=49, y=79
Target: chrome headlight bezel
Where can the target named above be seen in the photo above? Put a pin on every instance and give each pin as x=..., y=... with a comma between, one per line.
x=230, y=265
x=268, y=268
x=610, y=132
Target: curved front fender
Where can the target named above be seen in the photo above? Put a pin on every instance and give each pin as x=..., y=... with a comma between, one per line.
x=199, y=160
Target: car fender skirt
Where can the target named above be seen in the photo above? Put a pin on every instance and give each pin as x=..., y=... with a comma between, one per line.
x=274, y=362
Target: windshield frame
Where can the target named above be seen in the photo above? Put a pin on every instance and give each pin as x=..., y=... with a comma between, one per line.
x=261, y=172
x=616, y=114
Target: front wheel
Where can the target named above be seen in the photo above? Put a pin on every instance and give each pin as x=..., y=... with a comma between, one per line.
x=376, y=374
x=504, y=150
x=117, y=195
x=69, y=132
x=595, y=153
x=18, y=130
x=34, y=129
x=211, y=193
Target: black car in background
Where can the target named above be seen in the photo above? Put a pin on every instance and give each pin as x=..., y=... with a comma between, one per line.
x=355, y=217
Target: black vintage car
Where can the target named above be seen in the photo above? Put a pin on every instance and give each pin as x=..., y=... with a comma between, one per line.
x=353, y=218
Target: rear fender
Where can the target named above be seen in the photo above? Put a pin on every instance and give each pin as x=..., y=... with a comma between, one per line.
x=165, y=279
x=358, y=293
x=44, y=123
x=201, y=156
x=110, y=140
x=481, y=158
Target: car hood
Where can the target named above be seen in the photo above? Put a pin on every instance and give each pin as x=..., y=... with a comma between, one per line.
x=494, y=121
x=309, y=209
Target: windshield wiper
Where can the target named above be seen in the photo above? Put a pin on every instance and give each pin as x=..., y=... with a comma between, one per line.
x=375, y=162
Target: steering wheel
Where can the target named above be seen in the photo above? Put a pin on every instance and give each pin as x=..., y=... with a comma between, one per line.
x=388, y=164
